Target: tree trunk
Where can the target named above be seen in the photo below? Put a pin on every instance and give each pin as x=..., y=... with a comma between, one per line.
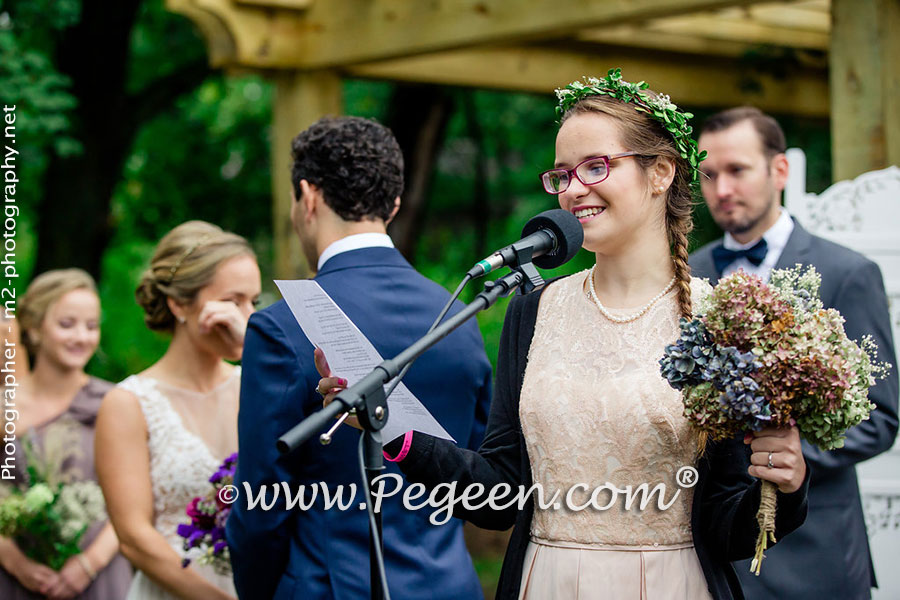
x=418, y=116
x=479, y=206
x=73, y=223
x=74, y=226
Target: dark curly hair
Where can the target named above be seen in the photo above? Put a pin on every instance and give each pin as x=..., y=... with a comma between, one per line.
x=356, y=163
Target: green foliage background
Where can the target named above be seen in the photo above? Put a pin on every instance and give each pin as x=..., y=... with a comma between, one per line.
x=208, y=158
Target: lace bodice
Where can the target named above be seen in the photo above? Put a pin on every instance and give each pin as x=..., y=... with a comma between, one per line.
x=595, y=410
x=181, y=461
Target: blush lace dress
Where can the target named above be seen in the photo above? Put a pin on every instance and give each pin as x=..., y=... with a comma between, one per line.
x=595, y=410
x=189, y=435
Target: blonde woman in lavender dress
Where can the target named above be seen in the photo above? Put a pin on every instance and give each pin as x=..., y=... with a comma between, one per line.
x=163, y=432
x=55, y=407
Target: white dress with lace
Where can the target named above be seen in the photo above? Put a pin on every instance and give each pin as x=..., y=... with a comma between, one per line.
x=596, y=412
x=189, y=435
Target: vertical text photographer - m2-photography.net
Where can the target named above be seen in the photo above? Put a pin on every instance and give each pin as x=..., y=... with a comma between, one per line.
x=8, y=292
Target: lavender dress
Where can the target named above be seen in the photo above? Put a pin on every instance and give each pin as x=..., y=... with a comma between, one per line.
x=112, y=582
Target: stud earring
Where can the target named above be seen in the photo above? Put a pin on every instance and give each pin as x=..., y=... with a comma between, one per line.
x=181, y=320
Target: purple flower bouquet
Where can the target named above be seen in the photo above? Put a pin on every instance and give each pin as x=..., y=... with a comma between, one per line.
x=204, y=536
x=759, y=355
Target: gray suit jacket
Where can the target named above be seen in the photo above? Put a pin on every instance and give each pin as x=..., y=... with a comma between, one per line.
x=828, y=556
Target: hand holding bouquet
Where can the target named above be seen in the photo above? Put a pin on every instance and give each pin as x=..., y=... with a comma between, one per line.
x=48, y=516
x=761, y=355
x=204, y=536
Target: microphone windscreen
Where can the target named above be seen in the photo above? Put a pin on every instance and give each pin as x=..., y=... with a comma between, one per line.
x=569, y=236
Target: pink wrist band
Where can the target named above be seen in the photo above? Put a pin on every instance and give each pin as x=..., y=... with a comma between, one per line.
x=407, y=442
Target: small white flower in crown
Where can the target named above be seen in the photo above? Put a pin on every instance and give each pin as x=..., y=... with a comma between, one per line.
x=663, y=102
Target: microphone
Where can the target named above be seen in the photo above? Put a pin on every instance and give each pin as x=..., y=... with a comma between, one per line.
x=549, y=240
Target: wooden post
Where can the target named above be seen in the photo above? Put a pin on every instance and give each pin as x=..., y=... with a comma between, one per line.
x=865, y=83
x=890, y=70
x=300, y=99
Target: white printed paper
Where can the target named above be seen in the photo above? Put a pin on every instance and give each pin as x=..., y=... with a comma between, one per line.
x=352, y=356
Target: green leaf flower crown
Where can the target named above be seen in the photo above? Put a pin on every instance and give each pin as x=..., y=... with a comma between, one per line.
x=659, y=107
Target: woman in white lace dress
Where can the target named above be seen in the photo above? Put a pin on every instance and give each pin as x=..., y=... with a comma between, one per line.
x=162, y=433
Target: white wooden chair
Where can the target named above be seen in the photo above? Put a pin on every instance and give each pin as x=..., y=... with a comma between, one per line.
x=864, y=214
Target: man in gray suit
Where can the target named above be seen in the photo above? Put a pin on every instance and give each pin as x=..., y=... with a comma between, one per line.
x=746, y=171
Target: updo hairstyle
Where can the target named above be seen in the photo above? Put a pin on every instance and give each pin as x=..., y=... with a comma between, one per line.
x=184, y=262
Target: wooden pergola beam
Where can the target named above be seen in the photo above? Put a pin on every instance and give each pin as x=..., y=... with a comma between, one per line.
x=726, y=32
x=288, y=4
x=330, y=34
x=692, y=81
x=806, y=16
x=737, y=27
x=636, y=36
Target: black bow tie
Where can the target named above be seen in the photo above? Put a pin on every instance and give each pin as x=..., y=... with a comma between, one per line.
x=722, y=256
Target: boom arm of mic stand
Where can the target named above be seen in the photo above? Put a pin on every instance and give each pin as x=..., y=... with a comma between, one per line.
x=356, y=395
x=352, y=397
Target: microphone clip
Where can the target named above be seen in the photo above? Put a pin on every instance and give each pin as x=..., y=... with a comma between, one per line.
x=532, y=279
x=522, y=263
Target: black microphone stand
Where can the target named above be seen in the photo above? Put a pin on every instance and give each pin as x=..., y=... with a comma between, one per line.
x=368, y=398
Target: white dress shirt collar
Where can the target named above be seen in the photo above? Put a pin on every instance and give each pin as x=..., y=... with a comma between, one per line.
x=354, y=242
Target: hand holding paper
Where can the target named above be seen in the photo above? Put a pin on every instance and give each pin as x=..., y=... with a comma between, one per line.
x=352, y=356
x=330, y=386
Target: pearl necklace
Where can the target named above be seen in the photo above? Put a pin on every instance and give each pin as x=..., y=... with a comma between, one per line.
x=627, y=318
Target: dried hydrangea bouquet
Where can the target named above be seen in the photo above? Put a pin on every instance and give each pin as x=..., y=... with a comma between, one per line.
x=759, y=355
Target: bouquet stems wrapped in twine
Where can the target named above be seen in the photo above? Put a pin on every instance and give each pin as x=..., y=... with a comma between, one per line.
x=765, y=516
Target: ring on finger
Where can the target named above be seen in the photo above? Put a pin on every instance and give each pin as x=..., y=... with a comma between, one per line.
x=770, y=464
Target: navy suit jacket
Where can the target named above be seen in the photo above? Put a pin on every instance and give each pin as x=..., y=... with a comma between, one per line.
x=828, y=556
x=317, y=553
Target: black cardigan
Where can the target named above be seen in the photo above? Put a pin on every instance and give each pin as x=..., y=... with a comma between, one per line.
x=726, y=497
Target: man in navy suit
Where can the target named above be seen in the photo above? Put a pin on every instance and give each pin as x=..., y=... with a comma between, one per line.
x=347, y=177
x=746, y=171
